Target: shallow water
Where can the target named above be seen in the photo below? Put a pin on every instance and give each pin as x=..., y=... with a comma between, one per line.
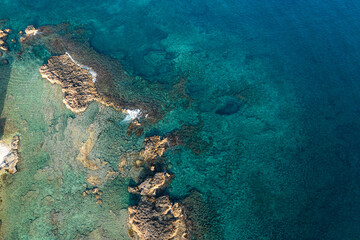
x=269, y=109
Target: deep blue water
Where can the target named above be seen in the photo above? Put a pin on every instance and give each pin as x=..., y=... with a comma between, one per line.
x=286, y=163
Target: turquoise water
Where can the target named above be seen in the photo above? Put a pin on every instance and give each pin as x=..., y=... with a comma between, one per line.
x=271, y=95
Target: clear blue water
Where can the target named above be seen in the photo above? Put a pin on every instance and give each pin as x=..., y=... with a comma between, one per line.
x=275, y=88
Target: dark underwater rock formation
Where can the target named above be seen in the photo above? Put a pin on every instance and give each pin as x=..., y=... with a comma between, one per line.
x=202, y=215
x=157, y=217
x=12, y=158
x=229, y=106
x=152, y=184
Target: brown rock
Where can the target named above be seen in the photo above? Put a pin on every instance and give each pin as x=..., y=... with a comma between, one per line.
x=76, y=82
x=12, y=158
x=155, y=146
x=4, y=48
x=3, y=35
x=156, y=217
x=30, y=30
x=153, y=219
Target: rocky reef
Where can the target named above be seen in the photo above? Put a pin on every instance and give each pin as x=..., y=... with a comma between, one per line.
x=84, y=76
x=10, y=160
x=155, y=216
x=104, y=78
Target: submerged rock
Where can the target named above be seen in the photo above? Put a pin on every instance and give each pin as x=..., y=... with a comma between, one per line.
x=152, y=184
x=9, y=161
x=155, y=146
x=157, y=217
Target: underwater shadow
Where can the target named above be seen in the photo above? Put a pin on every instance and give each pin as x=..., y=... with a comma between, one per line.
x=5, y=70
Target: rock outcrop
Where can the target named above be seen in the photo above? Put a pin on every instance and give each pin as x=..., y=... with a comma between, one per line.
x=152, y=184
x=30, y=30
x=157, y=217
x=9, y=161
x=76, y=81
x=3, y=36
x=155, y=146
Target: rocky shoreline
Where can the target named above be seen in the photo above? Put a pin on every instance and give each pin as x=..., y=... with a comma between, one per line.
x=10, y=160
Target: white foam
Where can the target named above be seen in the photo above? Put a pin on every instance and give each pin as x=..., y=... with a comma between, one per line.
x=132, y=115
x=89, y=69
x=4, y=150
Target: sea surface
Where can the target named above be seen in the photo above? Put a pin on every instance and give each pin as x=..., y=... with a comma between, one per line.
x=271, y=93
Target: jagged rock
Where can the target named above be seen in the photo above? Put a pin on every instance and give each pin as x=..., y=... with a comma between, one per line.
x=3, y=36
x=9, y=161
x=156, y=217
x=155, y=146
x=152, y=184
x=30, y=30
x=76, y=82
x=4, y=48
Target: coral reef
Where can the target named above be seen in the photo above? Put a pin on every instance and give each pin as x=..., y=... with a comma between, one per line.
x=157, y=217
x=10, y=160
